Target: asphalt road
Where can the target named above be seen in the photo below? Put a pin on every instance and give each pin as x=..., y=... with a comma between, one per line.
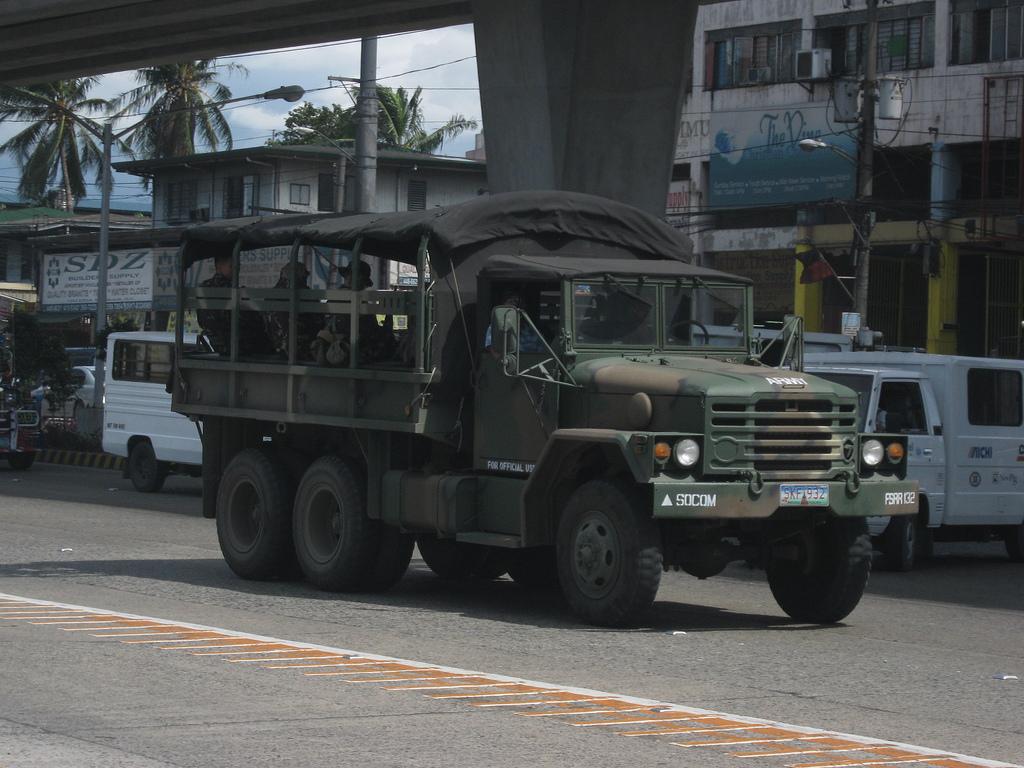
x=916, y=663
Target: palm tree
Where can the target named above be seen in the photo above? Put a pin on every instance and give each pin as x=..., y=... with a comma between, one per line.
x=401, y=122
x=178, y=100
x=59, y=141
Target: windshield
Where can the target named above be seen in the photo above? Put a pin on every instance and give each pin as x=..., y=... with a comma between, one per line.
x=705, y=316
x=618, y=312
x=859, y=383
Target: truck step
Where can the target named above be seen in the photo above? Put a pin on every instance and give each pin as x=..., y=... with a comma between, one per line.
x=490, y=539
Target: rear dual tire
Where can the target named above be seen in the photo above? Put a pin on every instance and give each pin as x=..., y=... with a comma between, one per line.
x=339, y=548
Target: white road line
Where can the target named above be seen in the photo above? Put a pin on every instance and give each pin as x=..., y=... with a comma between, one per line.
x=926, y=753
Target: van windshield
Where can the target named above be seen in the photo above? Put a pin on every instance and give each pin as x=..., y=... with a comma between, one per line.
x=859, y=383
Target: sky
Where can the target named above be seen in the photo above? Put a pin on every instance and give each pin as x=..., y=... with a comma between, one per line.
x=447, y=90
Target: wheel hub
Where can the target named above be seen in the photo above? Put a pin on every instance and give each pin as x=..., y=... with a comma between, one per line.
x=596, y=554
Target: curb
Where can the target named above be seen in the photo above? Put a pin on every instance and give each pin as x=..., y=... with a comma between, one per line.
x=81, y=459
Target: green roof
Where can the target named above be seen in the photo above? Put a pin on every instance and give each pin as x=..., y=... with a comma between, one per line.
x=313, y=152
x=28, y=214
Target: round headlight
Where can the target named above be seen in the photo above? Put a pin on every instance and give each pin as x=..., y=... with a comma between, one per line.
x=872, y=452
x=687, y=452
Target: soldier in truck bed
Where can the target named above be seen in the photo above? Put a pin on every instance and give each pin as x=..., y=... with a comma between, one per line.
x=216, y=323
x=308, y=325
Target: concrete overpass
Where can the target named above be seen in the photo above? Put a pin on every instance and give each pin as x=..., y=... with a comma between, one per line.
x=576, y=94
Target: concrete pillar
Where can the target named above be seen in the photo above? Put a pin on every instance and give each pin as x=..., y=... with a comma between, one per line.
x=942, y=300
x=584, y=95
x=808, y=299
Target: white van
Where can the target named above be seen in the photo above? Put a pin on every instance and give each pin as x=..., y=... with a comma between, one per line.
x=964, y=419
x=138, y=422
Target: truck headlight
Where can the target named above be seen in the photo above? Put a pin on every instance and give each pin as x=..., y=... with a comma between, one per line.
x=687, y=452
x=895, y=452
x=872, y=452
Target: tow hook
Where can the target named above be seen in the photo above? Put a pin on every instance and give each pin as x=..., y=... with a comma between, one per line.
x=756, y=483
x=852, y=483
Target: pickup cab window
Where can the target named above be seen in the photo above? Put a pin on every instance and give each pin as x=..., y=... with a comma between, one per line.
x=901, y=409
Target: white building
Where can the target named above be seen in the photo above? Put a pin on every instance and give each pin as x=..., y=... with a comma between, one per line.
x=947, y=271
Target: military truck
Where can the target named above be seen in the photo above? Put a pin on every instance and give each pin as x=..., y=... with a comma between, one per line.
x=576, y=404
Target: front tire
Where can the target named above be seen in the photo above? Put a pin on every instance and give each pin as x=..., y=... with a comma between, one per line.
x=254, y=516
x=146, y=473
x=608, y=553
x=21, y=461
x=335, y=542
x=824, y=583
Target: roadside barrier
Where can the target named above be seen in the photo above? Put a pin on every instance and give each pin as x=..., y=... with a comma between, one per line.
x=81, y=459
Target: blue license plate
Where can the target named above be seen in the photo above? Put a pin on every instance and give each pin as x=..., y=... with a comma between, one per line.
x=803, y=495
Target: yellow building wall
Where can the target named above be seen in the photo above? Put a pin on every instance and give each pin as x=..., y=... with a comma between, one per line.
x=942, y=301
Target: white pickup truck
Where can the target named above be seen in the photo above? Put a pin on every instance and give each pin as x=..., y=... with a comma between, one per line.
x=964, y=417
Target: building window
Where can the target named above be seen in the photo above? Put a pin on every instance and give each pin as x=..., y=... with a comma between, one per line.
x=26, y=267
x=325, y=192
x=181, y=202
x=234, y=197
x=994, y=397
x=986, y=31
x=416, y=199
x=903, y=43
x=751, y=56
x=298, y=194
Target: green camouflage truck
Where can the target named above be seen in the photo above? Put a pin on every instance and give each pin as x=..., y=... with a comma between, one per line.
x=568, y=400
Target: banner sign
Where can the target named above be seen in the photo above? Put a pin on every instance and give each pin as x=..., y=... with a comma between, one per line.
x=69, y=281
x=147, y=278
x=756, y=158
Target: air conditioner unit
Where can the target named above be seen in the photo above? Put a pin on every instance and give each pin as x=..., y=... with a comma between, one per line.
x=813, y=64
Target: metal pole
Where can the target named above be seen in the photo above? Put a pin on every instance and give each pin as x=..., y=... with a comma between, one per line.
x=366, y=130
x=101, y=280
x=866, y=165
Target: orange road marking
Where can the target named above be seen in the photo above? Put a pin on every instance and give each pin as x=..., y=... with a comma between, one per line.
x=534, y=703
x=119, y=625
x=769, y=731
x=445, y=687
x=821, y=744
x=154, y=633
x=883, y=756
x=524, y=690
x=230, y=643
x=440, y=677
x=73, y=622
x=648, y=717
x=23, y=615
x=389, y=668
x=408, y=680
x=257, y=644
x=286, y=655
x=200, y=637
x=312, y=666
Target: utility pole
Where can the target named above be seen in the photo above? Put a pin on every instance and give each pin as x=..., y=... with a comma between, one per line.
x=866, y=166
x=366, y=129
x=101, y=285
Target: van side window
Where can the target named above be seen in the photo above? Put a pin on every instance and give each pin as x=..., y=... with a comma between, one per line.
x=145, y=361
x=994, y=397
x=901, y=409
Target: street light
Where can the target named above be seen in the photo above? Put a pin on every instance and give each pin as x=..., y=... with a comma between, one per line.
x=314, y=132
x=290, y=93
x=813, y=145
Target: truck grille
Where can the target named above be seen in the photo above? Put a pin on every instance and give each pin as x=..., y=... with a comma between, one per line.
x=798, y=438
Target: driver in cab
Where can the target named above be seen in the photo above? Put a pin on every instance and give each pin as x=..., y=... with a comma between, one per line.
x=529, y=342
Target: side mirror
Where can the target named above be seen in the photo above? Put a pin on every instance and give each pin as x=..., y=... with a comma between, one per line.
x=505, y=337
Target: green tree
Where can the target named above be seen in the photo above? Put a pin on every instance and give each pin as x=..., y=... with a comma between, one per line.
x=334, y=122
x=57, y=142
x=177, y=101
x=401, y=123
x=39, y=358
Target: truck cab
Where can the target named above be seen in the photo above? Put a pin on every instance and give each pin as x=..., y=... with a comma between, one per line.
x=579, y=405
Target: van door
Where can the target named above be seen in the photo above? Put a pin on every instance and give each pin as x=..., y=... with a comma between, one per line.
x=904, y=409
x=987, y=474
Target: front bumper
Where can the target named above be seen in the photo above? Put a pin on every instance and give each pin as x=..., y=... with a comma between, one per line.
x=675, y=500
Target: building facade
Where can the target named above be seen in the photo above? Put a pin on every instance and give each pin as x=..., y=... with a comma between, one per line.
x=947, y=266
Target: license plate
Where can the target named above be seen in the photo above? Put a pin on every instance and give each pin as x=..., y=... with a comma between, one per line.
x=803, y=495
